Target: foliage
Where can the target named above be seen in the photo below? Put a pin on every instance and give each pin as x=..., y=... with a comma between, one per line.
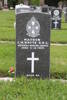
x=31, y=2
x=12, y=3
x=20, y=1
x=34, y=2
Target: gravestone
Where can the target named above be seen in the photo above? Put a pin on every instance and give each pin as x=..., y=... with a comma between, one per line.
x=50, y=9
x=45, y=8
x=32, y=42
x=5, y=4
x=65, y=13
x=56, y=18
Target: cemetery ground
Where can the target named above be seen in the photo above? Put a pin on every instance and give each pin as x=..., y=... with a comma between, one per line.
x=24, y=88
x=29, y=89
x=58, y=54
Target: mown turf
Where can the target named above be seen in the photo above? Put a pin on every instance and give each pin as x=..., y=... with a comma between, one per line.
x=33, y=89
x=7, y=31
x=58, y=60
x=7, y=58
x=59, y=36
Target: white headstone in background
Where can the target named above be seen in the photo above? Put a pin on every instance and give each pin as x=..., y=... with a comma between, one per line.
x=65, y=13
x=56, y=14
x=5, y=4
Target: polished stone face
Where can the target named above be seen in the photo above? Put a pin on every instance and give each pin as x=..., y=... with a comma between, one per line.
x=33, y=44
x=56, y=18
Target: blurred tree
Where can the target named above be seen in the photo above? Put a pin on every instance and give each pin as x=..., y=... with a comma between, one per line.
x=20, y=1
x=30, y=2
x=42, y=2
x=0, y=4
x=12, y=3
x=34, y=2
x=23, y=1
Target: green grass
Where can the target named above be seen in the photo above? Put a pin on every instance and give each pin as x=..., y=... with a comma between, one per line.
x=33, y=89
x=59, y=36
x=7, y=31
x=7, y=58
x=59, y=58
x=58, y=63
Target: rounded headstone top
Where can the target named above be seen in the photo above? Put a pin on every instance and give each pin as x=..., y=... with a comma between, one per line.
x=21, y=8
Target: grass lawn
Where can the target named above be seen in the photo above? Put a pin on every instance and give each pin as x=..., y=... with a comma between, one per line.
x=7, y=31
x=7, y=58
x=58, y=65
x=32, y=89
x=29, y=89
x=58, y=62
x=59, y=36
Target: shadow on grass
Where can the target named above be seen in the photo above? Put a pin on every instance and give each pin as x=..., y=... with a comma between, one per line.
x=60, y=29
x=53, y=75
x=63, y=29
x=58, y=75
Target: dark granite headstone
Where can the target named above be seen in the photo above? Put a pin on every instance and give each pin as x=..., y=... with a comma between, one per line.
x=32, y=44
x=50, y=9
x=56, y=18
x=45, y=8
x=65, y=13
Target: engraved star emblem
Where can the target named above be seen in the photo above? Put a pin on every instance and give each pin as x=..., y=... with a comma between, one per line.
x=33, y=27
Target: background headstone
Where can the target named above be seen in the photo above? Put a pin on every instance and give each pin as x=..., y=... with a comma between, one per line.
x=50, y=9
x=32, y=43
x=56, y=18
x=60, y=4
x=5, y=4
x=45, y=9
x=65, y=13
